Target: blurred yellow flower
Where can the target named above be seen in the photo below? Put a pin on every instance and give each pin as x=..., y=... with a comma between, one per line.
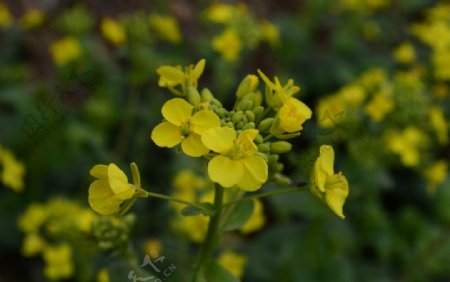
x=33, y=218
x=270, y=33
x=228, y=44
x=171, y=76
x=330, y=112
x=257, y=220
x=33, y=244
x=188, y=180
x=58, y=262
x=166, y=27
x=181, y=126
x=238, y=162
x=194, y=227
x=113, y=31
x=439, y=124
x=233, y=262
x=12, y=170
x=5, y=16
x=65, y=50
x=293, y=114
x=152, y=247
x=84, y=220
x=379, y=106
x=435, y=175
x=405, y=53
x=32, y=18
x=220, y=13
x=406, y=144
x=328, y=186
x=107, y=193
x=103, y=275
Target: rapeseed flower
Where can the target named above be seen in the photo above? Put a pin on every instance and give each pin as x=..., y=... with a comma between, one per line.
x=228, y=44
x=58, y=262
x=12, y=170
x=233, y=262
x=166, y=27
x=65, y=50
x=256, y=220
x=113, y=31
x=171, y=76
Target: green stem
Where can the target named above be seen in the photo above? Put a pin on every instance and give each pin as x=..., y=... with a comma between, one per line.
x=212, y=235
x=263, y=195
x=145, y=194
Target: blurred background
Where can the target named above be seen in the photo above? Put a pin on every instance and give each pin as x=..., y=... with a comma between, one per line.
x=78, y=87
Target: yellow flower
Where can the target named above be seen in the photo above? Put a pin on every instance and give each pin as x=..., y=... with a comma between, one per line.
x=330, y=112
x=228, y=44
x=183, y=127
x=32, y=18
x=435, y=175
x=233, y=262
x=238, y=162
x=220, y=13
x=84, y=220
x=188, y=180
x=278, y=94
x=171, y=76
x=438, y=123
x=328, y=186
x=257, y=220
x=113, y=31
x=65, y=50
x=13, y=171
x=352, y=95
x=166, y=27
x=5, y=16
x=103, y=275
x=380, y=105
x=152, y=247
x=32, y=244
x=194, y=227
x=33, y=218
x=293, y=114
x=406, y=144
x=405, y=53
x=270, y=33
x=58, y=260
x=109, y=190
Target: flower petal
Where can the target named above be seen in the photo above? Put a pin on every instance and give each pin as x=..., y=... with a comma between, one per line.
x=118, y=182
x=101, y=198
x=336, y=193
x=224, y=171
x=219, y=139
x=326, y=159
x=198, y=70
x=171, y=74
x=166, y=134
x=193, y=146
x=99, y=171
x=245, y=141
x=177, y=111
x=203, y=120
x=255, y=173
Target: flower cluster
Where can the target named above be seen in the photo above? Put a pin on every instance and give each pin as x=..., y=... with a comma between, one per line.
x=13, y=171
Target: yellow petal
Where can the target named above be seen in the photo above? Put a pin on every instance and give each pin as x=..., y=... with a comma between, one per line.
x=224, y=171
x=266, y=80
x=245, y=141
x=327, y=159
x=319, y=175
x=177, y=111
x=203, y=120
x=118, y=182
x=101, y=198
x=172, y=74
x=198, y=70
x=336, y=193
x=219, y=139
x=167, y=135
x=193, y=146
x=255, y=173
x=99, y=171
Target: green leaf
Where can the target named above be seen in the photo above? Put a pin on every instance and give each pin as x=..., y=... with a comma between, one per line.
x=205, y=209
x=240, y=215
x=215, y=272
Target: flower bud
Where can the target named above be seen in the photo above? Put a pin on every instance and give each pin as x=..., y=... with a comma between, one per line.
x=287, y=136
x=237, y=117
x=193, y=96
x=281, y=179
x=280, y=147
x=250, y=125
x=258, y=139
x=206, y=95
x=264, y=147
x=259, y=110
x=250, y=115
x=265, y=124
x=247, y=85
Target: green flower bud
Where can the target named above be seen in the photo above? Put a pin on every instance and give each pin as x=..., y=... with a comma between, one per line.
x=280, y=147
x=206, y=95
x=259, y=110
x=275, y=128
x=237, y=117
x=262, y=155
x=287, y=136
x=281, y=179
x=239, y=125
x=273, y=159
x=250, y=125
x=245, y=105
x=250, y=115
x=264, y=147
x=247, y=85
x=265, y=124
x=193, y=96
x=278, y=167
x=258, y=139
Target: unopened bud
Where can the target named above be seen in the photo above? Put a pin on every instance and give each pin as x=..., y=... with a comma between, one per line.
x=265, y=124
x=250, y=125
x=281, y=179
x=280, y=147
x=247, y=85
x=193, y=96
x=264, y=147
x=250, y=115
x=206, y=95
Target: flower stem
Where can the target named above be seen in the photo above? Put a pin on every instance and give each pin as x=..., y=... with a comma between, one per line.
x=145, y=194
x=263, y=195
x=212, y=235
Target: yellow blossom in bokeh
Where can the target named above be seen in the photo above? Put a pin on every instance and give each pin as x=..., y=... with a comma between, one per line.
x=32, y=18
x=233, y=262
x=194, y=227
x=107, y=193
x=330, y=112
x=13, y=171
x=435, y=175
x=405, y=53
x=58, y=262
x=182, y=126
x=5, y=16
x=33, y=218
x=220, y=13
x=238, y=162
x=171, y=76
x=152, y=247
x=380, y=105
x=270, y=33
x=33, y=244
x=166, y=27
x=257, y=219
x=439, y=124
x=228, y=44
x=103, y=275
x=113, y=31
x=406, y=144
x=328, y=186
x=65, y=50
